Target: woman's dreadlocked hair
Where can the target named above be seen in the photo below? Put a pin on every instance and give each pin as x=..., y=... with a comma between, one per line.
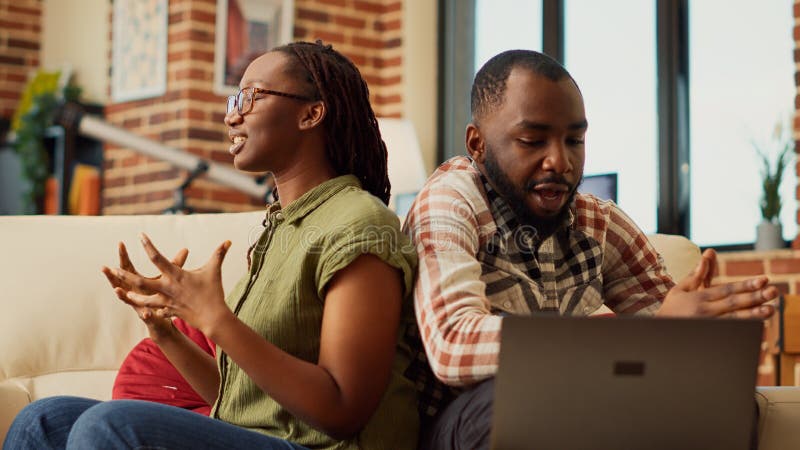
x=352, y=138
x=353, y=141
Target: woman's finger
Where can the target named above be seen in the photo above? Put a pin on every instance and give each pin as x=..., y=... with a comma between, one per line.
x=151, y=315
x=145, y=314
x=138, y=282
x=149, y=301
x=219, y=255
x=125, y=260
x=112, y=279
x=115, y=281
x=162, y=313
x=180, y=257
x=122, y=294
x=163, y=264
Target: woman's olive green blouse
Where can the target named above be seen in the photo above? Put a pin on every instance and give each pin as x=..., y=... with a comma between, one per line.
x=282, y=299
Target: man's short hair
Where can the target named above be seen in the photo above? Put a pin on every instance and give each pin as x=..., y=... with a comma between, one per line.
x=490, y=81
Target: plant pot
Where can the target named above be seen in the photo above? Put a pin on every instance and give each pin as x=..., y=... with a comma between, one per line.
x=769, y=236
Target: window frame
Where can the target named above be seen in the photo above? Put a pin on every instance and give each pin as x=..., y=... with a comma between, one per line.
x=457, y=26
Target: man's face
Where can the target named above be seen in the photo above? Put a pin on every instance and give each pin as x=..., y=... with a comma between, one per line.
x=531, y=147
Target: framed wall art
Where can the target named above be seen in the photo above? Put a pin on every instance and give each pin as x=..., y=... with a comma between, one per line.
x=139, y=49
x=246, y=29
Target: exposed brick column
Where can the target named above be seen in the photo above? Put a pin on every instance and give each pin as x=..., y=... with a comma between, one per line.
x=189, y=117
x=370, y=33
x=796, y=34
x=20, y=41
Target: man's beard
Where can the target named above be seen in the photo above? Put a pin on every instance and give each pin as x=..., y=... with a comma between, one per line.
x=515, y=198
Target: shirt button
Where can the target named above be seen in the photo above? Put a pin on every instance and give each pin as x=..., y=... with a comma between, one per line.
x=279, y=216
x=507, y=304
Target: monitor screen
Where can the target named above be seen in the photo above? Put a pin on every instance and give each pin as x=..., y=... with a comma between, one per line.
x=602, y=186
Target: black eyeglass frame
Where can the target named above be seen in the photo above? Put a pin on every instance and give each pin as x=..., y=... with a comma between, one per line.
x=237, y=100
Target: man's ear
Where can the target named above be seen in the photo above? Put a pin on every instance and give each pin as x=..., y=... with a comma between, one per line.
x=312, y=115
x=474, y=142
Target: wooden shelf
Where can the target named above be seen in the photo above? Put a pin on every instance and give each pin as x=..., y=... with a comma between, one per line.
x=790, y=341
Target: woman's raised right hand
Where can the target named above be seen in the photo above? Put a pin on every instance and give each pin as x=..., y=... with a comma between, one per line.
x=159, y=324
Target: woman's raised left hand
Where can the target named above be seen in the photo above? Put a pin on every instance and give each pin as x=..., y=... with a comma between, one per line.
x=195, y=296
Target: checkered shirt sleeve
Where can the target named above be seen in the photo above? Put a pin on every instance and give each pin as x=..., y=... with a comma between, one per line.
x=635, y=280
x=460, y=334
x=449, y=223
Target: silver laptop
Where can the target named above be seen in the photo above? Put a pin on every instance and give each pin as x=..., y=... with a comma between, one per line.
x=625, y=383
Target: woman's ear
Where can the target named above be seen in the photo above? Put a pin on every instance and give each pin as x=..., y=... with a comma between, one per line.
x=312, y=115
x=474, y=143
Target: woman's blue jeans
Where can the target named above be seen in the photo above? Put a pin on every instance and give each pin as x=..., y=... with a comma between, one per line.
x=81, y=423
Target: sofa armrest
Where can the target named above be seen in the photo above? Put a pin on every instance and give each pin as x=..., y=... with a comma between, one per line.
x=779, y=416
x=13, y=397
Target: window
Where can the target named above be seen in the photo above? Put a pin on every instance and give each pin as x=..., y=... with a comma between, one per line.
x=676, y=91
x=741, y=84
x=506, y=25
x=615, y=67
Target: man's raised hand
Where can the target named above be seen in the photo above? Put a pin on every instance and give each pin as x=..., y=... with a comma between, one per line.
x=695, y=297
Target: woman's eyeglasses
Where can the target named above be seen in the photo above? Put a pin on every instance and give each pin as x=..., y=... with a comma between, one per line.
x=243, y=101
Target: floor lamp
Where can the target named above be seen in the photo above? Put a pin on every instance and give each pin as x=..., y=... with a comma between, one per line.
x=406, y=169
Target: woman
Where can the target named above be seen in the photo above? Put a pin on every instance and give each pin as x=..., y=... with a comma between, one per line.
x=308, y=354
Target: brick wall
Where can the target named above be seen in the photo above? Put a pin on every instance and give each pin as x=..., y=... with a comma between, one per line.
x=20, y=41
x=367, y=32
x=783, y=269
x=781, y=266
x=190, y=116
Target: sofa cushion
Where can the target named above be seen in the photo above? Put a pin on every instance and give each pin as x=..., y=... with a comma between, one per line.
x=680, y=254
x=68, y=332
x=147, y=374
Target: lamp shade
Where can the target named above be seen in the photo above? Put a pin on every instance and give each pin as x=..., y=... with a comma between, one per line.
x=406, y=169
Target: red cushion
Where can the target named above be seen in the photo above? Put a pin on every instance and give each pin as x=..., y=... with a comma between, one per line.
x=146, y=374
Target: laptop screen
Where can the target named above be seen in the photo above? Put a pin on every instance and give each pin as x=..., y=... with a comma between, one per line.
x=625, y=382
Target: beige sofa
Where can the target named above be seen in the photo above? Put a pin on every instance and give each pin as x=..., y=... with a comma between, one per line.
x=62, y=331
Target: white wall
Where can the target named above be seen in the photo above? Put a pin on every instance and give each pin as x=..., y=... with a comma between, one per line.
x=75, y=32
x=420, y=75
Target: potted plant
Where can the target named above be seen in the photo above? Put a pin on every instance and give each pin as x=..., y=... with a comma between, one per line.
x=34, y=114
x=769, y=233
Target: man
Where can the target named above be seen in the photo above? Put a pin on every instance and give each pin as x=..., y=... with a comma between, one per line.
x=505, y=232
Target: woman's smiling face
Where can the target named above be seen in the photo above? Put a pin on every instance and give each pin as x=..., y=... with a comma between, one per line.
x=264, y=137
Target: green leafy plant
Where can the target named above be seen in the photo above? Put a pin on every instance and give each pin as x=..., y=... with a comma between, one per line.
x=771, y=178
x=29, y=146
x=30, y=126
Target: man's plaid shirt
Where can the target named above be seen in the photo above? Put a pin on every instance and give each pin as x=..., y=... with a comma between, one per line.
x=477, y=263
